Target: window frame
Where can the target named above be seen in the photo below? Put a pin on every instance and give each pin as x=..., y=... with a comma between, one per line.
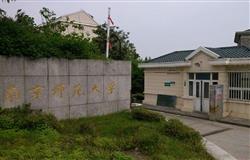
x=194, y=80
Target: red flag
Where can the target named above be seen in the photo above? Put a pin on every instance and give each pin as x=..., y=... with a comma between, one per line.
x=109, y=18
x=110, y=45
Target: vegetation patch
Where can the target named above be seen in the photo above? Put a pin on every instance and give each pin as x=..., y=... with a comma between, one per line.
x=143, y=114
x=27, y=134
x=22, y=37
x=175, y=128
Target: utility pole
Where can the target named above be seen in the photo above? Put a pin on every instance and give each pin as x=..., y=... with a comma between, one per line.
x=108, y=33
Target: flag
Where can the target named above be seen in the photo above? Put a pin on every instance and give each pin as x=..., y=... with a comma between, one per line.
x=109, y=18
x=110, y=45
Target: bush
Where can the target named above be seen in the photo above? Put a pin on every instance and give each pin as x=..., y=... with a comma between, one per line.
x=175, y=128
x=40, y=120
x=105, y=143
x=11, y=135
x=147, y=140
x=20, y=110
x=46, y=135
x=6, y=122
x=126, y=143
x=146, y=115
x=87, y=128
x=22, y=117
x=137, y=98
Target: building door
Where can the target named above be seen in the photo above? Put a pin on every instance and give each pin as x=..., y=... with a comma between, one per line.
x=202, y=96
x=199, y=85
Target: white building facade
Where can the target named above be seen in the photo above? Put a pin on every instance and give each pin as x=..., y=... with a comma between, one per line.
x=182, y=79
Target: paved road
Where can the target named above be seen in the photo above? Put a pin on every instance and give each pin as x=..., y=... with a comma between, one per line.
x=233, y=139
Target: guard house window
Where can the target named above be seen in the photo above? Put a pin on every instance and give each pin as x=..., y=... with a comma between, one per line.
x=203, y=76
x=239, y=85
x=191, y=84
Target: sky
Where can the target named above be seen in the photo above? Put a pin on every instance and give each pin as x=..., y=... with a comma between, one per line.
x=156, y=27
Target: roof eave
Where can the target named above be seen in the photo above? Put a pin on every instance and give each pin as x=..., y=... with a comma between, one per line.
x=85, y=24
x=165, y=65
x=230, y=61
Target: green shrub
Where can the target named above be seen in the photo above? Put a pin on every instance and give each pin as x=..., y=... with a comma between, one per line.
x=20, y=110
x=137, y=98
x=22, y=117
x=147, y=140
x=6, y=122
x=87, y=128
x=46, y=135
x=121, y=156
x=14, y=117
x=126, y=144
x=99, y=154
x=146, y=115
x=40, y=121
x=105, y=143
x=11, y=135
x=175, y=128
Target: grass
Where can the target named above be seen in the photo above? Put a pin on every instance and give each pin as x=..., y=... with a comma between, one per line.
x=118, y=136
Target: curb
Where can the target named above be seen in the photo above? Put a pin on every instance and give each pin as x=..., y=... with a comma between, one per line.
x=217, y=152
x=173, y=112
x=190, y=115
x=234, y=123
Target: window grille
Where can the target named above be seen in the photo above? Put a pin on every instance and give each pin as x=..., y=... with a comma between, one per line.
x=239, y=85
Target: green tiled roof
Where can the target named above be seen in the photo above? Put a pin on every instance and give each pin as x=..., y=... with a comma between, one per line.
x=223, y=52
x=232, y=52
x=172, y=57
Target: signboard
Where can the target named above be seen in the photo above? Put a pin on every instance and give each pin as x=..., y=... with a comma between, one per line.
x=169, y=83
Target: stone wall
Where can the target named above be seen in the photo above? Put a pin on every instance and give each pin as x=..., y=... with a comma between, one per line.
x=66, y=88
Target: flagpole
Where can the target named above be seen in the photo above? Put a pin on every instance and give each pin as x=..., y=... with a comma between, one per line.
x=108, y=32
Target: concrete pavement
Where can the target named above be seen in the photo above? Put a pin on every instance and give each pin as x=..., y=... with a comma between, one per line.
x=233, y=139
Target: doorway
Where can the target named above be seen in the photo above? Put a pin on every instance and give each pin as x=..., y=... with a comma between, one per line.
x=200, y=89
x=202, y=96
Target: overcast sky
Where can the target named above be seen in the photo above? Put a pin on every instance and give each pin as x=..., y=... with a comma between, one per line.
x=157, y=27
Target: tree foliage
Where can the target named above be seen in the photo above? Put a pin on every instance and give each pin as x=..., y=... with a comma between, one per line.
x=22, y=37
x=122, y=49
x=8, y=1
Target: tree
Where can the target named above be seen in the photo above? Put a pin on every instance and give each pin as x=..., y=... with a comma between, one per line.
x=122, y=49
x=2, y=13
x=8, y=1
x=22, y=37
x=24, y=19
